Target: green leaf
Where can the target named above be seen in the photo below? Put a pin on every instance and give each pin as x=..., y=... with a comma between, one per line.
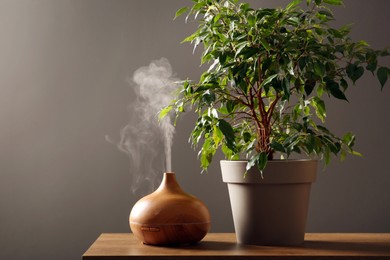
x=383, y=74
x=164, y=111
x=328, y=14
x=252, y=162
x=310, y=143
x=276, y=146
x=265, y=44
x=334, y=89
x=349, y=139
x=247, y=136
x=333, y=2
x=230, y=105
x=286, y=89
x=181, y=11
x=323, y=129
x=356, y=153
x=249, y=52
x=208, y=97
x=319, y=106
x=309, y=86
x=207, y=153
x=302, y=62
x=190, y=38
x=226, y=151
x=372, y=66
x=344, y=84
x=354, y=72
x=358, y=73
x=251, y=20
x=240, y=47
x=217, y=135
x=320, y=91
x=262, y=162
x=228, y=132
x=334, y=146
x=319, y=69
x=268, y=80
x=294, y=21
x=372, y=61
x=293, y=4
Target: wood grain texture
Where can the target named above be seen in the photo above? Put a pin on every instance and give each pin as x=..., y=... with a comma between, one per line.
x=224, y=246
x=169, y=216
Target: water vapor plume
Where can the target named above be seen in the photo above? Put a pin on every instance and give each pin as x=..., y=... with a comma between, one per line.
x=142, y=138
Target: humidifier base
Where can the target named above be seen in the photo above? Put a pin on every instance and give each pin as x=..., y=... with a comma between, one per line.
x=170, y=234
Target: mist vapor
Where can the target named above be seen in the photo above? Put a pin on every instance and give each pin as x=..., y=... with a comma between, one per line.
x=142, y=138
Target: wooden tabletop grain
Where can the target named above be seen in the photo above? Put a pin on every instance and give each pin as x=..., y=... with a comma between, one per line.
x=223, y=245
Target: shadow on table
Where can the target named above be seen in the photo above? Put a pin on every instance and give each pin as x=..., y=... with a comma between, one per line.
x=356, y=247
x=316, y=247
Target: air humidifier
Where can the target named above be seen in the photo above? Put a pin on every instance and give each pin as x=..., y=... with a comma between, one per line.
x=169, y=216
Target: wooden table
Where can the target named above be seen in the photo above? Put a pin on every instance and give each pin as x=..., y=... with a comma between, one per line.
x=223, y=246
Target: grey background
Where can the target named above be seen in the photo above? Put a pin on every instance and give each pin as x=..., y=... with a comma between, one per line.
x=63, y=70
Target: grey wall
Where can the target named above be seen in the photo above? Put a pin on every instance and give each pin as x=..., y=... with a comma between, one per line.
x=63, y=70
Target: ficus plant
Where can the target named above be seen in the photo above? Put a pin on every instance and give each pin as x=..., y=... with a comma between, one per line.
x=268, y=72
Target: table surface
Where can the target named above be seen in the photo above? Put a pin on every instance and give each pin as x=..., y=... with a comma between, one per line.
x=223, y=245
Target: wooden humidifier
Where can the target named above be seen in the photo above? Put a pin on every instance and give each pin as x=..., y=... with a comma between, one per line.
x=169, y=216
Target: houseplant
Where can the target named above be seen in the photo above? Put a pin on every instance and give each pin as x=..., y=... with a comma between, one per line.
x=263, y=93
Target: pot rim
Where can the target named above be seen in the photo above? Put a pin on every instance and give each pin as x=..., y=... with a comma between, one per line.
x=277, y=171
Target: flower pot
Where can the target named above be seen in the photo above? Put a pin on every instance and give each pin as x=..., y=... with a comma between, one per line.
x=270, y=209
x=169, y=216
